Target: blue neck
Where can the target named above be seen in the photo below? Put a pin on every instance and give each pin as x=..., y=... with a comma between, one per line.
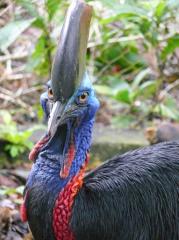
x=46, y=170
x=82, y=144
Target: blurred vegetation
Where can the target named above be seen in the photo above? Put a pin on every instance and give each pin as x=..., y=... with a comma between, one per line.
x=16, y=141
x=133, y=57
x=13, y=141
x=138, y=43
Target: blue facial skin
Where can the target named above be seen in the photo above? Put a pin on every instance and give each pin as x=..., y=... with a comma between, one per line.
x=44, y=101
x=44, y=104
x=47, y=167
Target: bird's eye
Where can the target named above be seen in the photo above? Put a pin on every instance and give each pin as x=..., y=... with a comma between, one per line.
x=83, y=97
x=50, y=93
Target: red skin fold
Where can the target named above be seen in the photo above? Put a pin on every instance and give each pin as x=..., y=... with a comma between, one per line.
x=67, y=165
x=63, y=206
x=23, y=210
x=36, y=149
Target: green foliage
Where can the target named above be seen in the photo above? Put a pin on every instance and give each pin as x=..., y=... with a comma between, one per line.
x=128, y=93
x=137, y=88
x=9, y=191
x=132, y=30
x=167, y=108
x=29, y=6
x=16, y=141
x=52, y=7
x=172, y=44
x=41, y=58
x=38, y=60
x=12, y=31
x=124, y=11
x=122, y=34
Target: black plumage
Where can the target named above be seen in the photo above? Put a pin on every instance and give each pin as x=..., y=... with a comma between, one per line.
x=134, y=196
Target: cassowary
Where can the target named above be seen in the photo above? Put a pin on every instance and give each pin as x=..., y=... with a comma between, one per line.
x=134, y=196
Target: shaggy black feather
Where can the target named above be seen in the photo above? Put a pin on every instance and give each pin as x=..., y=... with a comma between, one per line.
x=40, y=215
x=134, y=196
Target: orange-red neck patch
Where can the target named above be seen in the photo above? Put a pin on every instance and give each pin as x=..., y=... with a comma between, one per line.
x=63, y=206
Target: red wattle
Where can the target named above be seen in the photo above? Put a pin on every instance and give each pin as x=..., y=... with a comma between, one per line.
x=68, y=162
x=23, y=213
x=36, y=149
x=23, y=210
x=63, y=206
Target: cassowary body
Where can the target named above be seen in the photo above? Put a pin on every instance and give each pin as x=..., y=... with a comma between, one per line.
x=133, y=196
x=130, y=197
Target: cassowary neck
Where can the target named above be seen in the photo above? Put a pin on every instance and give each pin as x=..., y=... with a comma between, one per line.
x=81, y=144
x=46, y=188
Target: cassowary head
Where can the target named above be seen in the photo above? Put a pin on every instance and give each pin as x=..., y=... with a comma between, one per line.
x=70, y=91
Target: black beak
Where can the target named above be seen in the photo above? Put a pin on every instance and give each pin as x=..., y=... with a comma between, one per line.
x=69, y=63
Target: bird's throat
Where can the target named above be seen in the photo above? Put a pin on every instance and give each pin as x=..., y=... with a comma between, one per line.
x=64, y=203
x=51, y=193
x=65, y=169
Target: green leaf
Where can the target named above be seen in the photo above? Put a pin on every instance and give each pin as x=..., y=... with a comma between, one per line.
x=172, y=44
x=171, y=103
x=103, y=89
x=39, y=61
x=145, y=25
x=17, y=141
x=29, y=6
x=120, y=86
x=160, y=9
x=6, y=116
x=13, y=149
x=40, y=23
x=12, y=31
x=122, y=92
x=148, y=88
x=124, y=10
x=140, y=76
x=123, y=96
x=52, y=7
x=20, y=190
x=9, y=191
x=144, y=91
x=166, y=111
